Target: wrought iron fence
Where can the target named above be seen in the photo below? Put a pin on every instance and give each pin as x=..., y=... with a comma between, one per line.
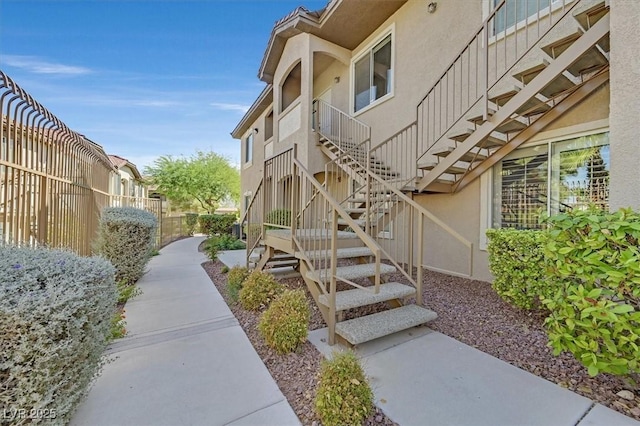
x=54, y=182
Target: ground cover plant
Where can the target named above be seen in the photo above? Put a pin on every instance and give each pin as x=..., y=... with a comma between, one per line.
x=55, y=316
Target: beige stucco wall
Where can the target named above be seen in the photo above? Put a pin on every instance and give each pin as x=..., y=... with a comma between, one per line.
x=625, y=104
x=424, y=46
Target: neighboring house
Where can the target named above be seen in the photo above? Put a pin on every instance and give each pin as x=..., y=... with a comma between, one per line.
x=127, y=181
x=424, y=124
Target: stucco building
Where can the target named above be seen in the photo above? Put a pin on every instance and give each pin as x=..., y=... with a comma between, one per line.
x=423, y=124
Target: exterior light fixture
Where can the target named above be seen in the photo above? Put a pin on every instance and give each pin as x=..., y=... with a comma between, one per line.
x=431, y=7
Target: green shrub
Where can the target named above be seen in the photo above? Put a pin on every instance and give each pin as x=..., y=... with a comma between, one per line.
x=224, y=269
x=55, y=316
x=344, y=396
x=126, y=238
x=259, y=289
x=216, y=224
x=285, y=323
x=517, y=262
x=280, y=217
x=235, y=279
x=211, y=250
x=191, y=220
x=594, y=260
x=227, y=242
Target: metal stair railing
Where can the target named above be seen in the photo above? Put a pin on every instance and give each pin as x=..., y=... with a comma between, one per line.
x=316, y=237
x=340, y=128
x=253, y=220
x=490, y=55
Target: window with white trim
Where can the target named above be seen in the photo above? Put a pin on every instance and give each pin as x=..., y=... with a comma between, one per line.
x=551, y=178
x=373, y=74
x=248, y=148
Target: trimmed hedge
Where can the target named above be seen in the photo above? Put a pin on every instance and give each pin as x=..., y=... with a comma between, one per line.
x=191, y=220
x=517, y=262
x=126, y=237
x=55, y=315
x=344, y=397
x=285, y=323
x=594, y=261
x=216, y=224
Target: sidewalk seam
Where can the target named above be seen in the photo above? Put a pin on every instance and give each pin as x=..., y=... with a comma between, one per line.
x=258, y=410
x=136, y=342
x=591, y=407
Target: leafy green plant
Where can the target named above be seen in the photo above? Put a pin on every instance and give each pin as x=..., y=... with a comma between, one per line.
x=224, y=269
x=258, y=290
x=235, y=279
x=226, y=242
x=344, y=397
x=191, y=220
x=211, y=250
x=118, y=326
x=594, y=260
x=127, y=291
x=517, y=262
x=285, y=323
x=126, y=238
x=216, y=224
x=280, y=217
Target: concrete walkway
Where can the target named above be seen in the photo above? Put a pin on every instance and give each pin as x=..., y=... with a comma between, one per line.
x=185, y=360
x=421, y=377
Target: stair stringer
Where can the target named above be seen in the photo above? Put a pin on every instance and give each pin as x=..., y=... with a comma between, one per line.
x=506, y=113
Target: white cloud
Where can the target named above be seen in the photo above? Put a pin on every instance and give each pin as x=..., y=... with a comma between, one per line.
x=231, y=107
x=39, y=66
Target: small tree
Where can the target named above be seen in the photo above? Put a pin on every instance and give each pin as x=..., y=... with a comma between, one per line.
x=206, y=178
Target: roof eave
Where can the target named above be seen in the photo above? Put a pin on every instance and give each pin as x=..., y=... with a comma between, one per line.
x=258, y=107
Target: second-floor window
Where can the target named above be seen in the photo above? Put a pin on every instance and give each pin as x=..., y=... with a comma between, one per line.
x=372, y=74
x=516, y=11
x=248, y=148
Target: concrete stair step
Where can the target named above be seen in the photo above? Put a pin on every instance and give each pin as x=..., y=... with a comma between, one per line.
x=352, y=272
x=342, y=253
x=357, y=297
x=369, y=327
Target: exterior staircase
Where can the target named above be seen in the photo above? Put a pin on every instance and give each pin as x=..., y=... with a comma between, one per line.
x=339, y=232
x=562, y=68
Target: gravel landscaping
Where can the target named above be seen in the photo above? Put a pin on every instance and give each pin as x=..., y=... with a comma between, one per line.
x=469, y=311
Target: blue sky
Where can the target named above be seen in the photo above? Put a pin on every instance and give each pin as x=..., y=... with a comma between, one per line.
x=143, y=78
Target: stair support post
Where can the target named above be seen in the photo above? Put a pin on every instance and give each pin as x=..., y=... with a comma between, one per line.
x=294, y=198
x=485, y=71
x=332, y=283
x=419, y=260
